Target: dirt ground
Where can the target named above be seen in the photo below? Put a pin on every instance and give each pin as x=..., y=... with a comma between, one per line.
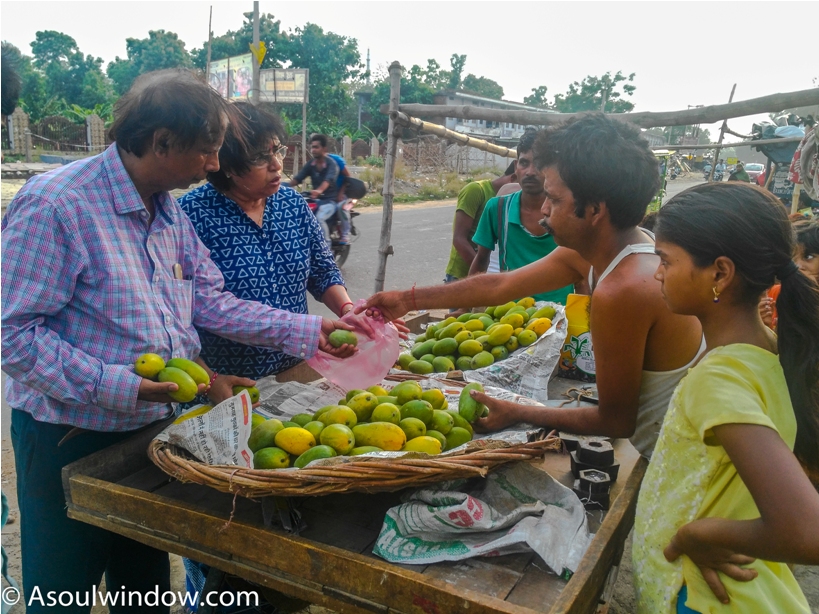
x=623, y=601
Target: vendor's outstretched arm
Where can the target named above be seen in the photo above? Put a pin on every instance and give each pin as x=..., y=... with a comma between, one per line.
x=621, y=321
x=560, y=268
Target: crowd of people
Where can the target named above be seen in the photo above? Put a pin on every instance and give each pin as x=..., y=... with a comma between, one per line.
x=710, y=378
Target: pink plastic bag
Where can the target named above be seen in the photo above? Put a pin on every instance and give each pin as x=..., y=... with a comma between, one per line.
x=377, y=352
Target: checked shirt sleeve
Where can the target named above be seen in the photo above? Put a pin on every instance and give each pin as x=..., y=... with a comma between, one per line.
x=248, y=322
x=41, y=263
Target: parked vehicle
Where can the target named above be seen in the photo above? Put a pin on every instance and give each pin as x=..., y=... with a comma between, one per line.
x=340, y=250
x=754, y=170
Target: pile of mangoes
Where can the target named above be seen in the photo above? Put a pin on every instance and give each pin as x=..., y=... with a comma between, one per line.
x=405, y=418
x=476, y=340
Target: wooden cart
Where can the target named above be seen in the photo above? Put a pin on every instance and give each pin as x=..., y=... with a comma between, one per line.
x=331, y=562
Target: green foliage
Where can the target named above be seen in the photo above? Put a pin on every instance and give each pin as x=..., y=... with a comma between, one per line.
x=482, y=86
x=78, y=114
x=35, y=98
x=374, y=161
x=587, y=95
x=71, y=76
x=457, y=62
x=236, y=42
x=160, y=50
x=12, y=84
x=537, y=98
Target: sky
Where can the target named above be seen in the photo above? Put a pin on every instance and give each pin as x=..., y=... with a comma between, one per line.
x=683, y=53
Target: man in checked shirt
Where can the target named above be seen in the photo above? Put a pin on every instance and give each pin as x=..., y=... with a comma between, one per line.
x=88, y=259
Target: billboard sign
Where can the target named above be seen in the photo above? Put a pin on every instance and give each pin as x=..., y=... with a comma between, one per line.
x=232, y=77
x=284, y=85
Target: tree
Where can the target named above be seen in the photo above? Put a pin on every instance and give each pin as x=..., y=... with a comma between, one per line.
x=71, y=76
x=12, y=84
x=234, y=43
x=588, y=94
x=35, y=98
x=457, y=63
x=537, y=98
x=160, y=50
x=482, y=86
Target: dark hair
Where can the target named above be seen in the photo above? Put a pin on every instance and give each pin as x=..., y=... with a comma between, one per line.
x=321, y=138
x=807, y=235
x=527, y=141
x=250, y=130
x=649, y=221
x=173, y=99
x=510, y=170
x=750, y=226
x=602, y=160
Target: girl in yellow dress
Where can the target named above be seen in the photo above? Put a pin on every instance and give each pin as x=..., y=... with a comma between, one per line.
x=725, y=504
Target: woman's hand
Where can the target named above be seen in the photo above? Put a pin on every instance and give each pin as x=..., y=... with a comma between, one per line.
x=401, y=327
x=697, y=540
x=222, y=387
x=766, y=311
x=391, y=305
x=327, y=327
x=501, y=413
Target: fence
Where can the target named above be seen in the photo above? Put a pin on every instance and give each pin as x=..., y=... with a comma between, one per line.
x=54, y=133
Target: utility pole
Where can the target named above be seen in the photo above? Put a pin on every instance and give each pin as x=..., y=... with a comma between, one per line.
x=721, y=135
x=210, y=41
x=256, y=64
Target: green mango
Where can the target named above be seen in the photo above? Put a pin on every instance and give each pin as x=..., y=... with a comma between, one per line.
x=187, y=387
x=442, y=364
x=264, y=435
x=387, y=399
x=442, y=421
x=428, y=358
x=418, y=409
x=405, y=359
x=406, y=391
x=314, y=453
x=251, y=390
x=464, y=317
x=445, y=346
x=197, y=373
x=352, y=393
x=459, y=421
x=419, y=350
x=464, y=363
x=499, y=352
x=420, y=367
x=482, y=359
x=302, y=419
x=457, y=437
x=469, y=408
x=364, y=450
x=339, y=337
x=363, y=405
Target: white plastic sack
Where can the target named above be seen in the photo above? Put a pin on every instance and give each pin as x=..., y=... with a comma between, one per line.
x=516, y=509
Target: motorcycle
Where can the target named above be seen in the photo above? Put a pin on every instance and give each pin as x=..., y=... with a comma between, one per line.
x=340, y=250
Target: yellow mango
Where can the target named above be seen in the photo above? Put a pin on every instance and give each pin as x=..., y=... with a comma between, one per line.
x=501, y=334
x=515, y=320
x=526, y=302
x=424, y=443
x=539, y=326
x=474, y=325
x=384, y=435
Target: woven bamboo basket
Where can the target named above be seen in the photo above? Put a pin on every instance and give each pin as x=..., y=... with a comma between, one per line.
x=364, y=474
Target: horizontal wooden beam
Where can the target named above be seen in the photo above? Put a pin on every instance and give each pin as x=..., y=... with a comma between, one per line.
x=644, y=119
x=403, y=119
x=790, y=139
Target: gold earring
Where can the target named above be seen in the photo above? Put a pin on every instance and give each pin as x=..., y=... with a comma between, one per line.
x=716, y=295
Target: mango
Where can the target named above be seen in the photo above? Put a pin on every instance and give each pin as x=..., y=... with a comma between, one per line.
x=517, y=331
x=513, y=319
x=512, y=344
x=412, y=428
x=187, y=387
x=323, y=410
x=490, y=311
x=291, y=424
x=197, y=373
x=501, y=311
x=482, y=359
x=387, y=399
x=476, y=316
x=363, y=405
x=339, y=415
x=463, y=336
x=486, y=321
x=430, y=445
x=378, y=391
x=149, y=365
x=256, y=420
x=338, y=437
x=473, y=326
x=501, y=334
x=452, y=330
x=469, y=408
x=314, y=428
x=421, y=338
x=428, y=358
x=526, y=302
x=447, y=322
x=527, y=338
x=264, y=435
x=384, y=435
x=457, y=437
x=352, y=393
x=546, y=311
x=499, y=352
x=420, y=367
x=539, y=326
x=464, y=363
x=442, y=421
x=470, y=347
x=444, y=347
x=386, y=412
x=459, y=421
x=271, y=458
x=364, y=450
x=439, y=436
x=339, y=337
x=407, y=391
x=442, y=364
x=302, y=419
x=419, y=350
x=314, y=453
x=295, y=441
x=251, y=390
x=434, y=397
x=405, y=359
x=464, y=317
x=418, y=409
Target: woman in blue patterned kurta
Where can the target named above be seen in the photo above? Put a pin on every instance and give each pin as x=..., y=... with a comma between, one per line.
x=263, y=238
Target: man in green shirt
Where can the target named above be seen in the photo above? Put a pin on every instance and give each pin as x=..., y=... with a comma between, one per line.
x=515, y=229
x=471, y=200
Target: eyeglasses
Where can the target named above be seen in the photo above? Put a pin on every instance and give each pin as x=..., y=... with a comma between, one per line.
x=266, y=158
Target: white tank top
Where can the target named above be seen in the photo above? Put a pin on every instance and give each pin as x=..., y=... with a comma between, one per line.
x=656, y=387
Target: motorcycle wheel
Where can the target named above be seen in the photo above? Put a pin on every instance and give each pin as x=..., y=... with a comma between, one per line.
x=340, y=254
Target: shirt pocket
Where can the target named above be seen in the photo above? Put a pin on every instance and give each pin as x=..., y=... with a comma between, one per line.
x=177, y=294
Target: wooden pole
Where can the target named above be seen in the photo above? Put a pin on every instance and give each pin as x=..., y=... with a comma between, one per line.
x=304, y=117
x=210, y=41
x=254, y=96
x=388, y=191
x=403, y=119
x=789, y=139
x=721, y=136
x=645, y=119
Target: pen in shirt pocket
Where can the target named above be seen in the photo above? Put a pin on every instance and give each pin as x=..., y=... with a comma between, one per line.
x=177, y=271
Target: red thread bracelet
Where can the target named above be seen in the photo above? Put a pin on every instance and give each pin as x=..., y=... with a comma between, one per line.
x=344, y=305
x=212, y=379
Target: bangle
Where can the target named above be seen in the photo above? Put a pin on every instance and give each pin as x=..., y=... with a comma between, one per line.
x=414, y=305
x=350, y=303
x=212, y=379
